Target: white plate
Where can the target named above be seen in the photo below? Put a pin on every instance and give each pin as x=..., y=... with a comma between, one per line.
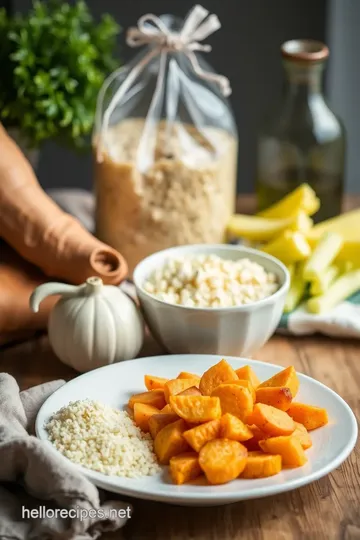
x=115, y=383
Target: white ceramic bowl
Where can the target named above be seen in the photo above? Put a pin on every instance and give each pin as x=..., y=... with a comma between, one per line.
x=236, y=331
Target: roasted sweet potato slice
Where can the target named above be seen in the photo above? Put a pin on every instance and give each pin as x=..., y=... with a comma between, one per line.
x=308, y=415
x=258, y=435
x=222, y=460
x=247, y=373
x=234, y=399
x=288, y=447
x=220, y=373
x=279, y=397
x=154, y=383
x=196, y=409
x=287, y=378
x=200, y=435
x=154, y=397
x=192, y=391
x=175, y=386
x=159, y=421
x=142, y=415
x=187, y=375
x=170, y=442
x=199, y=481
x=166, y=409
x=185, y=467
x=271, y=420
x=260, y=465
x=302, y=435
x=246, y=384
x=233, y=428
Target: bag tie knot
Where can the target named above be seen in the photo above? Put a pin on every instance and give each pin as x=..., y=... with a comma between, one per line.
x=152, y=31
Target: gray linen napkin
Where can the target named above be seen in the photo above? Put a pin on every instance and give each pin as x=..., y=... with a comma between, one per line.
x=32, y=477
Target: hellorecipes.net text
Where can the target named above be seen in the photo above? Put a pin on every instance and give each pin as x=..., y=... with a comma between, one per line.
x=75, y=513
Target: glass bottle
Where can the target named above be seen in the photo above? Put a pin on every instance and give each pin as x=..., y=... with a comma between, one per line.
x=304, y=141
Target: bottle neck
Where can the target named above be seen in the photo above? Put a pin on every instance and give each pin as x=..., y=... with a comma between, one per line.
x=303, y=81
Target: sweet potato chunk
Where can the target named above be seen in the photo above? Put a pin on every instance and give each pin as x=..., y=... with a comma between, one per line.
x=200, y=435
x=222, y=460
x=234, y=399
x=166, y=409
x=142, y=415
x=258, y=435
x=302, y=435
x=287, y=377
x=308, y=415
x=159, y=421
x=247, y=373
x=248, y=385
x=170, y=442
x=185, y=467
x=187, y=375
x=233, y=428
x=220, y=373
x=288, y=447
x=175, y=386
x=199, y=481
x=154, y=397
x=278, y=396
x=196, y=409
x=260, y=465
x=271, y=420
x=154, y=383
x=192, y=391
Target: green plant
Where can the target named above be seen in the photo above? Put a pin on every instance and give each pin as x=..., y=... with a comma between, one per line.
x=53, y=62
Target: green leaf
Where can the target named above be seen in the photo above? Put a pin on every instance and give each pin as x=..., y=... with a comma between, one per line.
x=19, y=55
x=13, y=36
x=68, y=116
x=71, y=85
x=20, y=71
x=42, y=80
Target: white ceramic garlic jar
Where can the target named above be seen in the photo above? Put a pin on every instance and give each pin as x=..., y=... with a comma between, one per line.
x=92, y=325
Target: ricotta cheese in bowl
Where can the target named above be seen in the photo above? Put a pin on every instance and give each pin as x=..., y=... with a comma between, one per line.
x=211, y=281
x=212, y=298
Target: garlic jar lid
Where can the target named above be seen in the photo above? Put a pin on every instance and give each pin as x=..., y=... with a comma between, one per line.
x=304, y=50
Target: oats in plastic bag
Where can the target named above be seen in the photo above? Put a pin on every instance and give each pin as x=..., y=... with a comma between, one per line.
x=165, y=142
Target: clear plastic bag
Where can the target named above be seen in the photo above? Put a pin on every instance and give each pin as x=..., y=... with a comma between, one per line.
x=165, y=143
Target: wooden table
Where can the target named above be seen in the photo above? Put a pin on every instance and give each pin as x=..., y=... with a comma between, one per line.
x=328, y=509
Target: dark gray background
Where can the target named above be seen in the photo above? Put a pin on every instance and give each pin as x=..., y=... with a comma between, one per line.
x=245, y=49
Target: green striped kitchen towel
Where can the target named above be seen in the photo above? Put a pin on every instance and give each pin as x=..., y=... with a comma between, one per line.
x=341, y=321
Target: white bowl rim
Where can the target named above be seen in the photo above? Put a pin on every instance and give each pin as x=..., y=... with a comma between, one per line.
x=226, y=247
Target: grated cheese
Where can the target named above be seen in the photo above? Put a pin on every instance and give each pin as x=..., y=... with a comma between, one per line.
x=103, y=439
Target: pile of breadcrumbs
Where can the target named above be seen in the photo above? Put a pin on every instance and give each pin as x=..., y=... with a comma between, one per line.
x=101, y=438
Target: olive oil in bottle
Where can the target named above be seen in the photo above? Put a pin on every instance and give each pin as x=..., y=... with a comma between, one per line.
x=304, y=141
